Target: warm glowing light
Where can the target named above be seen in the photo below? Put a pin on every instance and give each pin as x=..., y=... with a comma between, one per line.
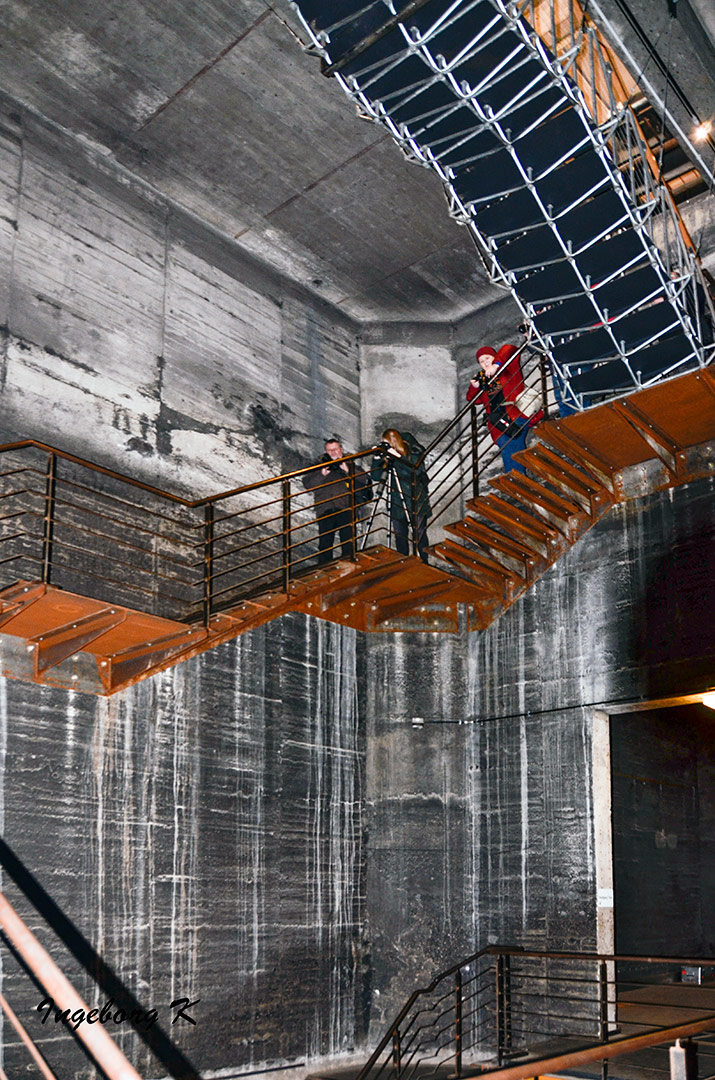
x=702, y=131
x=709, y=700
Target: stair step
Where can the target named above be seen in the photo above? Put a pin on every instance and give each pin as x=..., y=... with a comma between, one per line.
x=478, y=559
x=560, y=473
x=483, y=534
x=531, y=491
x=489, y=576
x=515, y=521
x=580, y=452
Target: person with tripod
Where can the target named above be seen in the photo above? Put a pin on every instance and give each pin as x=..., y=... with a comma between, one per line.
x=409, y=497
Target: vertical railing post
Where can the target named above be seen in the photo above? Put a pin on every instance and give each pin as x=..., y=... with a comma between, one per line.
x=413, y=515
x=603, y=1002
x=458, y=1022
x=208, y=560
x=499, y=987
x=353, y=510
x=49, y=518
x=544, y=385
x=286, y=534
x=396, y=1053
x=475, y=450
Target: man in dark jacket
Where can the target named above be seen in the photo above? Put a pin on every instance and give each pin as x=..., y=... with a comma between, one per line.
x=339, y=488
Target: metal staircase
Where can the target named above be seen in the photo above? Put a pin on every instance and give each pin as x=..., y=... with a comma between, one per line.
x=108, y=581
x=558, y=192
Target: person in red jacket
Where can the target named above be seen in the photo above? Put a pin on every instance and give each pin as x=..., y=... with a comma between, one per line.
x=497, y=387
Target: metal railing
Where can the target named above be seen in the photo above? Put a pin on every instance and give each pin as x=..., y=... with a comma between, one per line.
x=509, y=1012
x=55, y=987
x=87, y=529
x=77, y=525
x=464, y=455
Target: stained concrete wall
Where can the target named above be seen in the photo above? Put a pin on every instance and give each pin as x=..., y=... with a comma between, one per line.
x=134, y=334
x=407, y=380
x=481, y=817
x=204, y=833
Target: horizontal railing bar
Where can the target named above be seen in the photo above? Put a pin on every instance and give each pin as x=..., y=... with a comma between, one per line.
x=92, y=512
x=597, y=1052
x=86, y=531
x=163, y=595
x=111, y=497
x=113, y=561
x=178, y=499
x=20, y=491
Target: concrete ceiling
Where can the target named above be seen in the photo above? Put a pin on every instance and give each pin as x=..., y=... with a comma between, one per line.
x=216, y=105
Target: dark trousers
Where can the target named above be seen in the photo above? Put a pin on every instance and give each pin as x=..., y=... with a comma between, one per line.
x=337, y=522
x=402, y=538
x=511, y=444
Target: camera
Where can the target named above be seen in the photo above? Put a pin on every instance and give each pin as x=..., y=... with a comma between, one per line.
x=523, y=328
x=333, y=466
x=384, y=445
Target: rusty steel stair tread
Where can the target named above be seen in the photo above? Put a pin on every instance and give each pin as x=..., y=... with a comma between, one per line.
x=476, y=561
x=478, y=533
x=531, y=491
x=589, y=460
x=514, y=520
x=556, y=472
x=568, y=474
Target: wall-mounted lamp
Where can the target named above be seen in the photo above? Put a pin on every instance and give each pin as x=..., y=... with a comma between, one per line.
x=702, y=131
x=709, y=700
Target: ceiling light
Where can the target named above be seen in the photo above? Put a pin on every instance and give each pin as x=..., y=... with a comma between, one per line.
x=709, y=700
x=702, y=131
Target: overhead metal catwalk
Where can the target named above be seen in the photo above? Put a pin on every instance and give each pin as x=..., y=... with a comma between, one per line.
x=561, y=201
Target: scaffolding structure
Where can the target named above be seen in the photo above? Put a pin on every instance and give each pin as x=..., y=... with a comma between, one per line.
x=528, y=120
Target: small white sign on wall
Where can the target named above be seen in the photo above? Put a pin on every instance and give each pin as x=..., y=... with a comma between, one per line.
x=604, y=898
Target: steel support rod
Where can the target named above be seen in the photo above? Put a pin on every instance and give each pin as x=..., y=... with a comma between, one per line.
x=35, y=1053
x=458, y=1022
x=475, y=451
x=285, y=487
x=104, y=1051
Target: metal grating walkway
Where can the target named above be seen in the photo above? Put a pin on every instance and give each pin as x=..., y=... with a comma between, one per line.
x=563, y=209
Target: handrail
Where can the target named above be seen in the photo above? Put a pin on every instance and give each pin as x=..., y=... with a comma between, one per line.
x=431, y=1035
x=614, y=1048
x=24, y=444
x=39, y=962
x=72, y=530
x=465, y=408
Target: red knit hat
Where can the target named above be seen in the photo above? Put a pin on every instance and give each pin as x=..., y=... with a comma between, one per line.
x=486, y=350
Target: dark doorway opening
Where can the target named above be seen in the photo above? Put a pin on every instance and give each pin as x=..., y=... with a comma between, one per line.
x=663, y=799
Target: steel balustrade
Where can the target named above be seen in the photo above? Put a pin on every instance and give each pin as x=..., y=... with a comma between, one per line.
x=87, y=529
x=559, y=194
x=508, y=1012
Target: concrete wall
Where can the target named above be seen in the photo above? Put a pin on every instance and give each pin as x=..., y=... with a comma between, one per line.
x=482, y=816
x=137, y=335
x=204, y=833
x=303, y=825
x=408, y=380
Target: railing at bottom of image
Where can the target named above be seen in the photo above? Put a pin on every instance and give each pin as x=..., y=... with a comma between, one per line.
x=45, y=976
x=508, y=1012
